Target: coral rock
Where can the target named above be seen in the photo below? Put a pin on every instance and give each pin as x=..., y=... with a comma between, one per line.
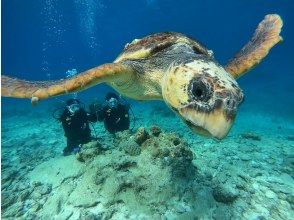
x=155, y=130
x=130, y=146
x=89, y=151
x=141, y=135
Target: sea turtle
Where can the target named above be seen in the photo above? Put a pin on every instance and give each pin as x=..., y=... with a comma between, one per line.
x=172, y=67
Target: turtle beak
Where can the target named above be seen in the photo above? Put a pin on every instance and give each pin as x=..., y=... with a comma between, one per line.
x=211, y=124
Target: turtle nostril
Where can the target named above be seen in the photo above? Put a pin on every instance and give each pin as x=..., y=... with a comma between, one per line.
x=231, y=103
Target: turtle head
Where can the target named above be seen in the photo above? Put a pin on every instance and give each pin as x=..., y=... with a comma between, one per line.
x=204, y=95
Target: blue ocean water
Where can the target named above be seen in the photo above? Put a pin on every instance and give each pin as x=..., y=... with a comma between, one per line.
x=42, y=40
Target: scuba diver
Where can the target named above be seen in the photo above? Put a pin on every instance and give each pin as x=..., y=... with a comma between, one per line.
x=75, y=122
x=115, y=113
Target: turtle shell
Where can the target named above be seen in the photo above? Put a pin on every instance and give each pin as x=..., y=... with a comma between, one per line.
x=147, y=46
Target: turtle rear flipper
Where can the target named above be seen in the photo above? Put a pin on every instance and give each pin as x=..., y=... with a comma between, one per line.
x=265, y=37
x=37, y=90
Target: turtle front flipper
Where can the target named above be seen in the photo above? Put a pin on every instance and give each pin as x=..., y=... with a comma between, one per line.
x=37, y=90
x=265, y=37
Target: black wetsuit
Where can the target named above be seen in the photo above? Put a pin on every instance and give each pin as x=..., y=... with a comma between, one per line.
x=115, y=119
x=76, y=128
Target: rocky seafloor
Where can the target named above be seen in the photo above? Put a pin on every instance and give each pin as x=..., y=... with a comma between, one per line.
x=154, y=172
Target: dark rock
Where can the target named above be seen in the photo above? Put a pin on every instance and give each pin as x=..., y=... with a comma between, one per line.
x=141, y=135
x=250, y=135
x=125, y=164
x=79, y=157
x=86, y=215
x=151, y=143
x=124, y=183
x=45, y=189
x=176, y=141
x=36, y=184
x=224, y=194
x=155, y=130
x=99, y=179
x=245, y=157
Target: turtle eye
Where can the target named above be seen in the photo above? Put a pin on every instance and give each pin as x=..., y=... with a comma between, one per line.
x=200, y=91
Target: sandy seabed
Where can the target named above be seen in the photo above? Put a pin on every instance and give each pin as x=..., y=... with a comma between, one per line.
x=154, y=172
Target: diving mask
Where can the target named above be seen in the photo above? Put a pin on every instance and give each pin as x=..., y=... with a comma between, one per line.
x=73, y=108
x=112, y=103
